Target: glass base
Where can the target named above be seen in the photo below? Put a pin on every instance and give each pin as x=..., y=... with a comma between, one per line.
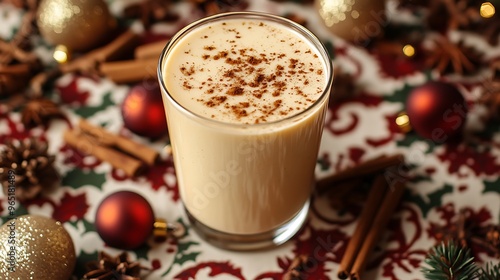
x=244, y=242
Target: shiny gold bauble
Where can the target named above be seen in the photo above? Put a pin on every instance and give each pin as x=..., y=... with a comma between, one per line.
x=353, y=20
x=79, y=25
x=35, y=247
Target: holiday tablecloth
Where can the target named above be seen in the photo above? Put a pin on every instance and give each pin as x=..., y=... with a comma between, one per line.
x=445, y=177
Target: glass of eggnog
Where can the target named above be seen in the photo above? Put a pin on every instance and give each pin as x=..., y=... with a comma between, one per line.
x=245, y=97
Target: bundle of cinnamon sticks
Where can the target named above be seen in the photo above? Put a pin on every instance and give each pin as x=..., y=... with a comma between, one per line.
x=111, y=60
x=142, y=67
x=384, y=196
x=16, y=67
x=120, y=152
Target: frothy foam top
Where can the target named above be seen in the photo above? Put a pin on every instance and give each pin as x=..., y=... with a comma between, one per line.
x=244, y=71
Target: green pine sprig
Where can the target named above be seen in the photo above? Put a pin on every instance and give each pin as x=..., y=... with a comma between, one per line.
x=449, y=261
x=490, y=272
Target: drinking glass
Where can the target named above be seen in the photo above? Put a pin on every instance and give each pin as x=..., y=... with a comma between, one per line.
x=245, y=186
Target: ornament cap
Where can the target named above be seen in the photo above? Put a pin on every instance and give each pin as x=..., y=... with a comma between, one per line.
x=62, y=54
x=162, y=230
x=403, y=122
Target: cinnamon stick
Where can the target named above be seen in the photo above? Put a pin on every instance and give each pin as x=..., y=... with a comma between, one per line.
x=151, y=50
x=9, y=85
x=25, y=31
x=21, y=69
x=389, y=203
x=129, y=71
x=131, y=166
x=14, y=101
x=15, y=52
x=363, y=169
x=38, y=81
x=116, y=49
x=83, y=64
x=365, y=220
x=142, y=152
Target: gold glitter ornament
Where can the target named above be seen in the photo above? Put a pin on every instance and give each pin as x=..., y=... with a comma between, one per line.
x=80, y=25
x=35, y=247
x=356, y=21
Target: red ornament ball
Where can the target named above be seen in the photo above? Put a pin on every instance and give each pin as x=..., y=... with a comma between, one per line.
x=437, y=111
x=124, y=220
x=143, y=112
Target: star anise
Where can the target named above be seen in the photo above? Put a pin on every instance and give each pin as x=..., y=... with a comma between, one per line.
x=113, y=268
x=39, y=111
x=445, y=15
x=447, y=57
x=491, y=93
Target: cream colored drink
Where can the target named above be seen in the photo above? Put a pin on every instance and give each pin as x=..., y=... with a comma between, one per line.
x=245, y=99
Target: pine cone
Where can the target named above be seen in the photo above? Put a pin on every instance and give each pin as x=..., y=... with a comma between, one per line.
x=32, y=166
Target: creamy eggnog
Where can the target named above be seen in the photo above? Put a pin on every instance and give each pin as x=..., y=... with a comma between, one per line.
x=245, y=96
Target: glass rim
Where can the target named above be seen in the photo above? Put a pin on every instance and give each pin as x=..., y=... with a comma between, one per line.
x=306, y=33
